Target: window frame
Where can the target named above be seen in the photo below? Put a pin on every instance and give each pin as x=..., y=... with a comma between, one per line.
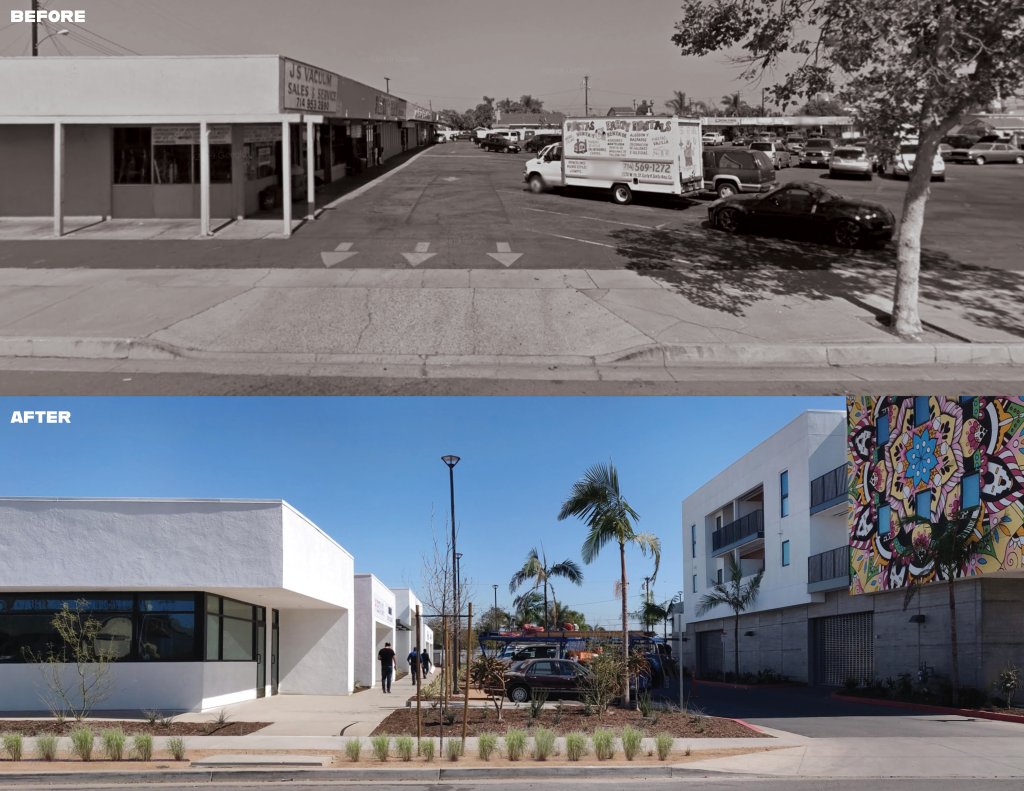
x=784, y=494
x=786, y=554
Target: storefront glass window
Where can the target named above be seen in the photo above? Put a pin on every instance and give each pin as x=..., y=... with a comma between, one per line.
x=132, y=155
x=172, y=164
x=220, y=163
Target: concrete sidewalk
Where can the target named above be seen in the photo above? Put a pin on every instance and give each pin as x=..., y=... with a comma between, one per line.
x=569, y=323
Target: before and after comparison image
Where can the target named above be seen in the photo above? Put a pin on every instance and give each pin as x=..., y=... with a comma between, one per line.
x=512, y=393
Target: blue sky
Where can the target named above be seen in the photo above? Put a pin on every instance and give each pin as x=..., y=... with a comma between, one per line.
x=368, y=470
x=449, y=52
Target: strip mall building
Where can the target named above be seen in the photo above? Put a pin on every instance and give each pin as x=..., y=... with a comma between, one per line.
x=183, y=136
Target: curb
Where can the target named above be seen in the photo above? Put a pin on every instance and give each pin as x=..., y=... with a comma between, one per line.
x=730, y=685
x=646, y=357
x=904, y=704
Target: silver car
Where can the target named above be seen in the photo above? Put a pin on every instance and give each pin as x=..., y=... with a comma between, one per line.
x=850, y=161
x=984, y=153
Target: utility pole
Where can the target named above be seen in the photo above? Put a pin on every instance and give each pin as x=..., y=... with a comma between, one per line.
x=586, y=95
x=35, y=28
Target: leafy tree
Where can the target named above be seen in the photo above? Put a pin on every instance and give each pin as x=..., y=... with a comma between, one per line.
x=735, y=594
x=529, y=607
x=530, y=104
x=454, y=118
x=562, y=615
x=597, y=500
x=917, y=65
x=734, y=104
x=943, y=551
x=482, y=114
x=651, y=614
x=537, y=571
x=494, y=620
x=819, y=106
x=678, y=104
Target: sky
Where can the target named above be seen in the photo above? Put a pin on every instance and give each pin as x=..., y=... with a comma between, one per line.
x=444, y=53
x=368, y=471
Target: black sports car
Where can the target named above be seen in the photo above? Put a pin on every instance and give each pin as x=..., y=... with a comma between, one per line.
x=801, y=208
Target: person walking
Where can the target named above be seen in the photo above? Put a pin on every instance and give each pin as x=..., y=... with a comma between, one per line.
x=386, y=655
x=425, y=664
x=414, y=664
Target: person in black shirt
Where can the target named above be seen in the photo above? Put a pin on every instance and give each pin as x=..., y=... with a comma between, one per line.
x=414, y=664
x=387, y=666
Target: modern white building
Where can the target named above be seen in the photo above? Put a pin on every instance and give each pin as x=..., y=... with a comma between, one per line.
x=375, y=626
x=202, y=602
x=406, y=603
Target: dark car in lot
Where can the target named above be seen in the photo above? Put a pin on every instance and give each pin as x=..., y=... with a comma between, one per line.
x=805, y=208
x=500, y=143
x=537, y=142
x=729, y=171
x=556, y=677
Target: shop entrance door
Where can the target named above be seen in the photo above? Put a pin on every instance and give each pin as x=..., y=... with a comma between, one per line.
x=261, y=652
x=275, y=640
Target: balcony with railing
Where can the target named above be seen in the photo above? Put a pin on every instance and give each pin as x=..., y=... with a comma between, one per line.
x=746, y=528
x=830, y=489
x=829, y=570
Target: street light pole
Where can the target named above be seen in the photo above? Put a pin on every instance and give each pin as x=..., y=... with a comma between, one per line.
x=387, y=85
x=451, y=461
x=495, y=586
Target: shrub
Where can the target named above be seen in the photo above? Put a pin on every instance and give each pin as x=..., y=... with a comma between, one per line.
x=486, y=744
x=631, y=741
x=46, y=747
x=1008, y=682
x=538, y=698
x=603, y=682
x=604, y=744
x=381, y=747
x=543, y=744
x=353, y=749
x=645, y=704
x=81, y=743
x=113, y=743
x=515, y=744
x=575, y=745
x=142, y=747
x=453, y=749
x=152, y=716
x=427, y=749
x=176, y=747
x=850, y=683
x=12, y=746
x=663, y=744
x=405, y=747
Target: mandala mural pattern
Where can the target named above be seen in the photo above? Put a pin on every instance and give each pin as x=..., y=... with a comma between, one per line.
x=920, y=464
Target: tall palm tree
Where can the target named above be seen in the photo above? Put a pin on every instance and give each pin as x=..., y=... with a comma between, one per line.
x=678, y=104
x=537, y=571
x=733, y=104
x=737, y=595
x=527, y=607
x=597, y=500
x=651, y=614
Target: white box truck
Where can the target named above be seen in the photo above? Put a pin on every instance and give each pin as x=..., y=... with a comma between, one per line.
x=623, y=156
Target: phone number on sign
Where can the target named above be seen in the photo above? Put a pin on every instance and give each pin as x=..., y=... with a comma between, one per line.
x=646, y=168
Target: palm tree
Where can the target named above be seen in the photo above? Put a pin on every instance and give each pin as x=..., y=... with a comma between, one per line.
x=537, y=571
x=737, y=595
x=597, y=500
x=651, y=614
x=734, y=104
x=949, y=549
x=678, y=104
x=527, y=607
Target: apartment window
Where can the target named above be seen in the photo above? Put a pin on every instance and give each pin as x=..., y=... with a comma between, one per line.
x=694, y=583
x=718, y=576
x=718, y=522
x=784, y=493
x=785, y=553
x=693, y=541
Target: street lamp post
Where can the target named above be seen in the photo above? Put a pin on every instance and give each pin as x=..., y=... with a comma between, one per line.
x=35, y=44
x=495, y=586
x=387, y=85
x=451, y=461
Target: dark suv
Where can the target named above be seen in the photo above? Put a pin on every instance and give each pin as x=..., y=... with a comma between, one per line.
x=537, y=142
x=556, y=677
x=498, y=142
x=728, y=171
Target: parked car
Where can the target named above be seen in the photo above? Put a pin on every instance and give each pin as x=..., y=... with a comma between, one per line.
x=464, y=136
x=945, y=151
x=804, y=207
x=537, y=142
x=499, y=142
x=779, y=156
x=817, y=152
x=795, y=144
x=960, y=141
x=556, y=677
x=440, y=137
x=850, y=161
x=904, y=160
x=729, y=171
x=713, y=139
x=985, y=153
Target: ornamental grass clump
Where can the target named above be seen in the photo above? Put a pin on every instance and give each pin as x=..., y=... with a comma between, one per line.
x=515, y=744
x=486, y=744
x=12, y=746
x=353, y=749
x=405, y=747
x=176, y=747
x=81, y=743
x=453, y=749
x=381, y=746
x=113, y=743
x=604, y=744
x=663, y=744
x=543, y=744
x=427, y=749
x=46, y=747
x=631, y=742
x=575, y=745
x=142, y=747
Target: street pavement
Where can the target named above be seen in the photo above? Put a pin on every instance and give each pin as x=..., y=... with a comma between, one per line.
x=445, y=267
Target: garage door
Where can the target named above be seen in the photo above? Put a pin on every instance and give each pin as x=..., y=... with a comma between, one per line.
x=843, y=647
x=709, y=653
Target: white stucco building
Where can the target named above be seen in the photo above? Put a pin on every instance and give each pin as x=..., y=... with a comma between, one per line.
x=406, y=603
x=202, y=602
x=375, y=625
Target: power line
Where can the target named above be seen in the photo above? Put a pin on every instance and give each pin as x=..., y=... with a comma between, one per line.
x=104, y=38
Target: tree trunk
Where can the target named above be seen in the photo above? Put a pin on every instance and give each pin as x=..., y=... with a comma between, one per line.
x=736, y=647
x=545, y=605
x=625, y=626
x=953, y=644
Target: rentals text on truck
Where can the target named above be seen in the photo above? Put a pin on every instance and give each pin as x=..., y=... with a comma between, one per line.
x=623, y=155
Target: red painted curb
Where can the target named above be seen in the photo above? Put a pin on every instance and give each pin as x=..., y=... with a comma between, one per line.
x=903, y=704
x=748, y=725
x=729, y=685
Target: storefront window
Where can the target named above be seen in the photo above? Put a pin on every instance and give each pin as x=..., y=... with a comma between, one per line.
x=172, y=164
x=220, y=163
x=230, y=629
x=132, y=155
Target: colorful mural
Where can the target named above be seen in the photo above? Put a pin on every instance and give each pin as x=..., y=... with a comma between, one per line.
x=920, y=464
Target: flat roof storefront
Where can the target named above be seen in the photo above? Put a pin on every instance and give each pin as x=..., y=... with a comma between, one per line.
x=205, y=137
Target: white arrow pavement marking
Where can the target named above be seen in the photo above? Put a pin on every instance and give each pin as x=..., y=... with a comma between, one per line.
x=342, y=254
x=450, y=178
x=421, y=254
x=505, y=256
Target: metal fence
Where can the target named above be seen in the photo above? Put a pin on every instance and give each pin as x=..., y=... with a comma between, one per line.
x=746, y=526
x=830, y=565
x=833, y=485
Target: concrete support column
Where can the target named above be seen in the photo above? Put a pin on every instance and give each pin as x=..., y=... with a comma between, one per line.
x=204, y=179
x=238, y=174
x=286, y=178
x=310, y=171
x=58, y=179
